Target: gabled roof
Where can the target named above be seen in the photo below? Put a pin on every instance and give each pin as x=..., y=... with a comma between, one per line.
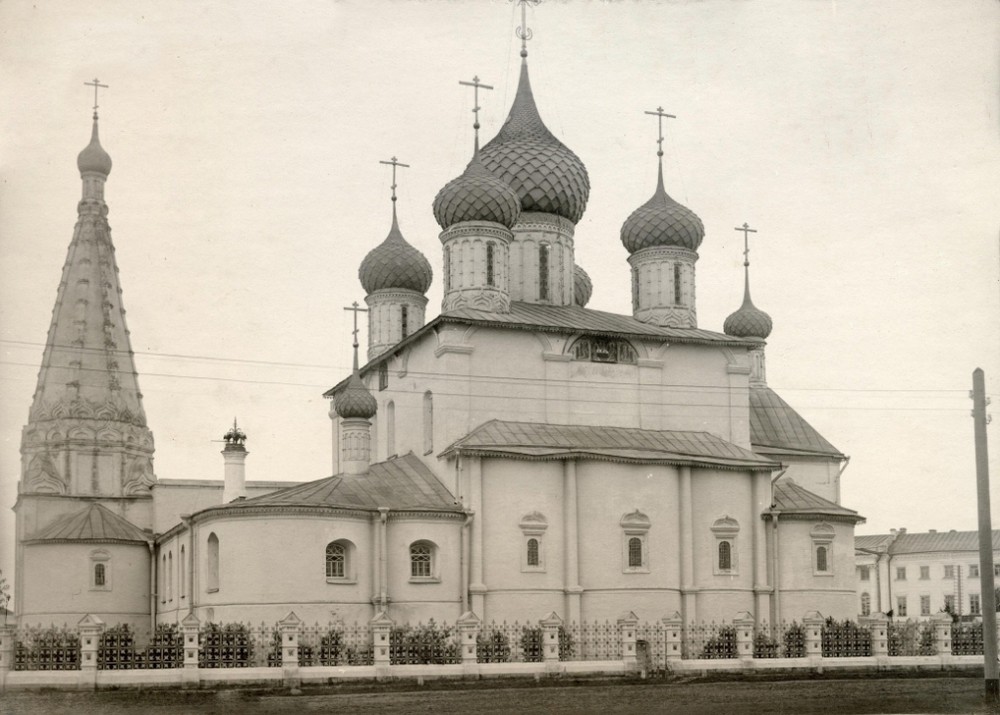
x=399, y=483
x=95, y=523
x=872, y=542
x=793, y=500
x=918, y=543
x=532, y=440
x=562, y=319
x=776, y=428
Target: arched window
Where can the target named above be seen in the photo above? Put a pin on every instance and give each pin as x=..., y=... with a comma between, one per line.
x=421, y=560
x=597, y=349
x=163, y=578
x=532, y=552
x=725, y=556
x=821, y=559
x=100, y=570
x=866, y=604
x=543, y=271
x=336, y=560
x=677, y=284
x=182, y=574
x=634, y=552
x=447, y=268
x=490, y=258
x=100, y=575
x=390, y=429
x=170, y=576
x=404, y=319
x=428, y=422
x=212, y=582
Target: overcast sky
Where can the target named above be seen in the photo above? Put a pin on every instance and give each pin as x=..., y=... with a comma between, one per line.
x=859, y=138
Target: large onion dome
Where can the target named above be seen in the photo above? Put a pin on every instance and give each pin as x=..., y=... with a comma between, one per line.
x=476, y=195
x=93, y=158
x=394, y=263
x=661, y=221
x=749, y=321
x=355, y=401
x=547, y=176
x=582, y=286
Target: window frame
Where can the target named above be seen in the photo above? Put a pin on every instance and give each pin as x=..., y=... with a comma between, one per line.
x=900, y=573
x=975, y=606
x=822, y=535
x=925, y=605
x=901, y=606
x=949, y=571
x=585, y=349
x=544, y=254
x=99, y=557
x=533, y=526
x=925, y=573
x=431, y=561
x=635, y=525
x=866, y=604
x=347, y=562
x=726, y=531
x=973, y=570
x=213, y=560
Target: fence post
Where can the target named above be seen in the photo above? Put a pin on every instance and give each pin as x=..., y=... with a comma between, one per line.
x=90, y=627
x=550, y=640
x=813, y=625
x=942, y=633
x=288, y=628
x=190, y=629
x=743, y=623
x=673, y=627
x=381, y=628
x=468, y=629
x=6, y=653
x=626, y=628
x=879, y=623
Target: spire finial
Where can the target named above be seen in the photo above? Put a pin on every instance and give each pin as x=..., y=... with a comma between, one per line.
x=96, y=85
x=356, y=309
x=393, y=162
x=476, y=84
x=523, y=31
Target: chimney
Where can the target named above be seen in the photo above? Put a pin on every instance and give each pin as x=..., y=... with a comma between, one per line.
x=932, y=531
x=235, y=456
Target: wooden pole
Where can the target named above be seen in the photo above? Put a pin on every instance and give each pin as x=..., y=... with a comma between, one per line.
x=991, y=668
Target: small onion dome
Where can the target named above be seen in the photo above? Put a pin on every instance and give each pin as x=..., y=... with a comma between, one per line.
x=661, y=221
x=748, y=321
x=476, y=195
x=355, y=401
x=93, y=157
x=394, y=263
x=582, y=287
x=546, y=175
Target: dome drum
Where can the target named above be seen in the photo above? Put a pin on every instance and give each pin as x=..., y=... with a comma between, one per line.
x=393, y=314
x=663, y=286
x=542, y=260
x=476, y=267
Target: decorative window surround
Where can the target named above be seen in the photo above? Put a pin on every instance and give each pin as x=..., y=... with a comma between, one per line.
x=100, y=570
x=423, y=562
x=533, y=528
x=340, y=562
x=726, y=531
x=635, y=526
x=822, y=549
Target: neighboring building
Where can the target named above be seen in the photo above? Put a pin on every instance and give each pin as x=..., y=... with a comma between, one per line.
x=516, y=455
x=918, y=575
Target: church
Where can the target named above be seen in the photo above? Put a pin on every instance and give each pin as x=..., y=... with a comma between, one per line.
x=517, y=455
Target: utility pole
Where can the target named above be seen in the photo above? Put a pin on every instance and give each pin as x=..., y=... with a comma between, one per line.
x=991, y=668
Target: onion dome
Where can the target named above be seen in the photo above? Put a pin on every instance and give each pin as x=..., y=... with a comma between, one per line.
x=582, y=287
x=661, y=221
x=547, y=176
x=93, y=158
x=476, y=195
x=394, y=263
x=748, y=321
x=355, y=401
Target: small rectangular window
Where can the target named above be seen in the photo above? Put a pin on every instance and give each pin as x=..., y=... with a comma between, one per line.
x=973, y=570
x=635, y=552
x=925, y=573
x=677, y=284
x=949, y=571
x=900, y=573
x=925, y=605
x=949, y=603
x=996, y=569
x=404, y=319
x=490, y=258
x=974, y=604
x=543, y=271
x=383, y=375
x=863, y=573
x=901, y=606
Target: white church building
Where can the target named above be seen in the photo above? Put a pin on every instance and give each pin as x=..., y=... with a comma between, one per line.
x=518, y=454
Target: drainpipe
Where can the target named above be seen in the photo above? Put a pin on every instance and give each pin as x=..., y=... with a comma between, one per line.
x=383, y=556
x=152, y=585
x=847, y=461
x=190, y=590
x=465, y=561
x=775, y=567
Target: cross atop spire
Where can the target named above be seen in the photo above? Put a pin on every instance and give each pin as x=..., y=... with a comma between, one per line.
x=660, y=114
x=96, y=85
x=745, y=228
x=356, y=309
x=476, y=84
x=523, y=31
x=393, y=163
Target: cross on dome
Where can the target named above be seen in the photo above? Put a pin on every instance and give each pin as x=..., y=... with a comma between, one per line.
x=745, y=228
x=476, y=84
x=660, y=114
x=355, y=308
x=393, y=162
x=96, y=85
x=523, y=31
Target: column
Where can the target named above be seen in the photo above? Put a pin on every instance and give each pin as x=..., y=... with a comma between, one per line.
x=688, y=588
x=762, y=501
x=571, y=547
x=477, y=589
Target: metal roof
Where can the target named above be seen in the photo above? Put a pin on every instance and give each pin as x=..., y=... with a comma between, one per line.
x=398, y=483
x=917, y=543
x=777, y=428
x=94, y=523
x=532, y=440
x=790, y=498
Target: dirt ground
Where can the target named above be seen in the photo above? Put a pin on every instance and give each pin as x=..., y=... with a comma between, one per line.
x=692, y=697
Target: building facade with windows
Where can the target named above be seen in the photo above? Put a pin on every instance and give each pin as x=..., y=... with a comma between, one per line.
x=518, y=454
x=915, y=575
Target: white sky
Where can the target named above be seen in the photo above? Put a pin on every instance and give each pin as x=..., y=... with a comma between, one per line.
x=859, y=138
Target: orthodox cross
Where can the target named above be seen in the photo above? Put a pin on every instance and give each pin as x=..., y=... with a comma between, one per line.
x=476, y=84
x=660, y=114
x=524, y=32
x=745, y=228
x=355, y=309
x=393, y=163
x=95, y=84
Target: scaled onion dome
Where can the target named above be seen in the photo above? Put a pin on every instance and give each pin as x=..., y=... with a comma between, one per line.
x=748, y=321
x=476, y=195
x=582, y=287
x=355, y=401
x=93, y=157
x=661, y=221
x=546, y=175
x=394, y=263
